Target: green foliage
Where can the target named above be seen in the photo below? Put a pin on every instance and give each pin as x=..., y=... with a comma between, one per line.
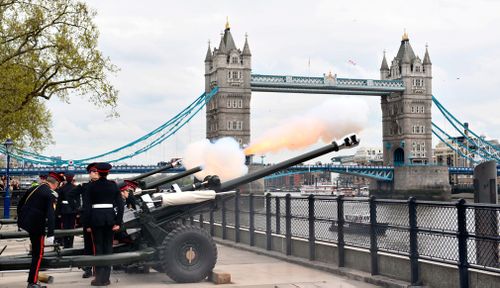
x=48, y=48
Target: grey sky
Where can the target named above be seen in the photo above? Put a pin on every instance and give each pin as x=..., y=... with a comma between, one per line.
x=160, y=47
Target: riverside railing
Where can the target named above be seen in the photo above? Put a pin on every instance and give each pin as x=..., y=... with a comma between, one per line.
x=464, y=235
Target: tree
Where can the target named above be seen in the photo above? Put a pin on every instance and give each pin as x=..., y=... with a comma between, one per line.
x=48, y=48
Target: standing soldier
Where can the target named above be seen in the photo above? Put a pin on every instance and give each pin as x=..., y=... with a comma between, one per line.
x=64, y=211
x=35, y=212
x=75, y=199
x=59, y=225
x=103, y=197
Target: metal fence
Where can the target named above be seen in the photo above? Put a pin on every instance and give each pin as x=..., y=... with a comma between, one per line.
x=456, y=233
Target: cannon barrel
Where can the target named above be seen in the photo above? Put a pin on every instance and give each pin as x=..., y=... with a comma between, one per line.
x=155, y=171
x=8, y=221
x=24, y=234
x=161, y=181
x=348, y=142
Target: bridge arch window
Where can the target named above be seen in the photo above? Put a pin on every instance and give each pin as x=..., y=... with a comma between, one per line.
x=240, y=103
x=399, y=156
x=234, y=60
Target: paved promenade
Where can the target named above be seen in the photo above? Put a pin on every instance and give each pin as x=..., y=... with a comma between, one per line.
x=247, y=269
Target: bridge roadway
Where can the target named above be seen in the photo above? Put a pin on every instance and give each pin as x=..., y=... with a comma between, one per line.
x=384, y=173
x=247, y=269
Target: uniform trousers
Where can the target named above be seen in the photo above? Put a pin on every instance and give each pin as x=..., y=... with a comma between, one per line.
x=68, y=222
x=103, y=244
x=88, y=245
x=37, y=243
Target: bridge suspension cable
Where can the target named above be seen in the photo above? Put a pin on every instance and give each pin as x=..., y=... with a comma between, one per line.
x=478, y=146
x=134, y=148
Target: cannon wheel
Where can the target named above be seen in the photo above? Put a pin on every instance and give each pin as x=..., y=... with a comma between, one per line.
x=188, y=254
x=169, y=227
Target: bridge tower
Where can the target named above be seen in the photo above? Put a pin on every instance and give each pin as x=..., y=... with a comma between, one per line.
x=406, y=116
x=229, y=68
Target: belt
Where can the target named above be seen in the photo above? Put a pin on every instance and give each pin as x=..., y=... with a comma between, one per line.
x=102, y=206
x=64, y=202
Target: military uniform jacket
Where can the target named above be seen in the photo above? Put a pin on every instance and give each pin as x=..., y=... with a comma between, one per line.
x=76, y=201
x=64, y=205
x=35, y=211
x=103, y=191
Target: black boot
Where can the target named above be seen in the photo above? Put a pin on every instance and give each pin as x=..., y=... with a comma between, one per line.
x=87, y=272
x=35, y=285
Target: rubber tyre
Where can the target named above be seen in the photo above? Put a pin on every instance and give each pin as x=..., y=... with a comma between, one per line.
x=188, y=254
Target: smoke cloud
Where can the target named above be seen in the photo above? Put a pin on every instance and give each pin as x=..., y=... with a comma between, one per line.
x=223, y=158
x=333, y=119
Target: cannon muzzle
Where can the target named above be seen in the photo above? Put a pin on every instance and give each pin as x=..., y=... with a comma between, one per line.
x=348, y=142
x=155, y=171
x=161, y=181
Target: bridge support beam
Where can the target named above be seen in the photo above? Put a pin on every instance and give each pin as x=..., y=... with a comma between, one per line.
x=421, y=182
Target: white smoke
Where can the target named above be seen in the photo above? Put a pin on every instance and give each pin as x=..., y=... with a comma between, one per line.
x=223, y=158
x=331, y=120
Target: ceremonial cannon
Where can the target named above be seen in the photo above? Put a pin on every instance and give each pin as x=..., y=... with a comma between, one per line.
x=185, y=253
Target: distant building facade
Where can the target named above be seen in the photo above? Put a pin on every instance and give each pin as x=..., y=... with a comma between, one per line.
x=450, y=154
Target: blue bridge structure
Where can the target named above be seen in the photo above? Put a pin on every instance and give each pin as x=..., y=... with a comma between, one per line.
x=383, y=173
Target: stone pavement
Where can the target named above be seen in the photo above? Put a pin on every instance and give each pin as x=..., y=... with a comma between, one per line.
x=247, y=269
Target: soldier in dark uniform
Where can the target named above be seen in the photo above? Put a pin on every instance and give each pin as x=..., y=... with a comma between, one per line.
x=64, y=211
x=127, y=188
x=75, y=199
x=103, y=197
x=59, y=224
x=35, y=212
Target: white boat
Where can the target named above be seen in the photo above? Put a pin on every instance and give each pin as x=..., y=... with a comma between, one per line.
x=318, y=189
x=359, y=224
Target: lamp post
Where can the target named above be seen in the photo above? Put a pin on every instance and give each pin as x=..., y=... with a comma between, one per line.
x=6, y=200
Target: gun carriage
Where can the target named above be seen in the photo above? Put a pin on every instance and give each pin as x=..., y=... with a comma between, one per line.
x=185, y=253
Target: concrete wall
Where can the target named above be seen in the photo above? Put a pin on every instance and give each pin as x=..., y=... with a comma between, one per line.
x=432, y=274
x=423, y=182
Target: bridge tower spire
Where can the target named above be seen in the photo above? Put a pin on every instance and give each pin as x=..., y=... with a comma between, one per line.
x=229, y=68
x=406, y=115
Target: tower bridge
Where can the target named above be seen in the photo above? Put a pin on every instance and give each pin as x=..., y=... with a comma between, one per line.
x=405, y=89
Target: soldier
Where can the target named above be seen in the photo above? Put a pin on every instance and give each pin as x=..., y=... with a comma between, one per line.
x=59, y=240
x=35, y=212
x=127, y=188
x=75, y=199
x=64, y=211
x=103, y=197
